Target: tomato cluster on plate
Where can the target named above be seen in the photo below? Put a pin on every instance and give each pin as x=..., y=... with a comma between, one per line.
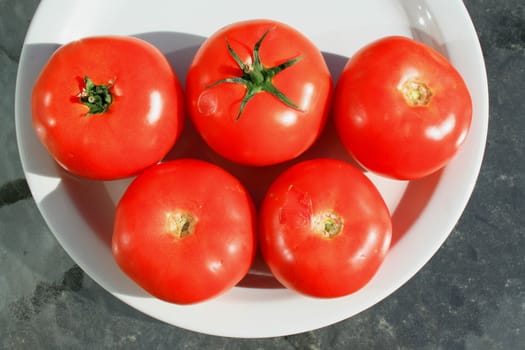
x=259, y=93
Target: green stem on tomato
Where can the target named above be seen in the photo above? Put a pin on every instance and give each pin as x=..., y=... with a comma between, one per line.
x=256, y=77
x=96, y=97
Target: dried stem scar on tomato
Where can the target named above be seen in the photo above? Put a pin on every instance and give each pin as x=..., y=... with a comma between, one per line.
x=401, y=108
x=324, y=228
x=185, y=231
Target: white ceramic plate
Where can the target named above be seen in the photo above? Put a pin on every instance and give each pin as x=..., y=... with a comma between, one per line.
x=80, y=212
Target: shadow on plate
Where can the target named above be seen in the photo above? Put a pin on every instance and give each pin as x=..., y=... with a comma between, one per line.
x=414, y=201
x=423, y=25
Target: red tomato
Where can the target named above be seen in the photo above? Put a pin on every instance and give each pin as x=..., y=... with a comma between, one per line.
x=258, y=92
x=401, y=108
x=185, y=231
x=324, y=228
x=107, y=107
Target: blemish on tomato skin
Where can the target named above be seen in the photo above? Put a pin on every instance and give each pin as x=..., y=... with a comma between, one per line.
x=297, y=207
x=215, y=266
x=207, y=102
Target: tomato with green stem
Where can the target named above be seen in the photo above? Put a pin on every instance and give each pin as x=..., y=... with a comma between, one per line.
x=258, y=92
x=185, y=231
x=107, y=107
x=324, y=228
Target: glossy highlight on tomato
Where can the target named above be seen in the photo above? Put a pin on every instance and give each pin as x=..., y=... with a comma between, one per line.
x=324, y=229
x=107, y=107
x=258, y=92
x=401, y=109
x=185, y=231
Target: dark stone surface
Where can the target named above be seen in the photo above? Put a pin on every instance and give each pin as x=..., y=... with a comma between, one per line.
x=471, y=295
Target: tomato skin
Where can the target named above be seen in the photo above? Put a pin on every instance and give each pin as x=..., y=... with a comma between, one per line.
x=268, y=131
x=142, y=123
x=383, y=132
x=307, y=262
x=205, y=263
